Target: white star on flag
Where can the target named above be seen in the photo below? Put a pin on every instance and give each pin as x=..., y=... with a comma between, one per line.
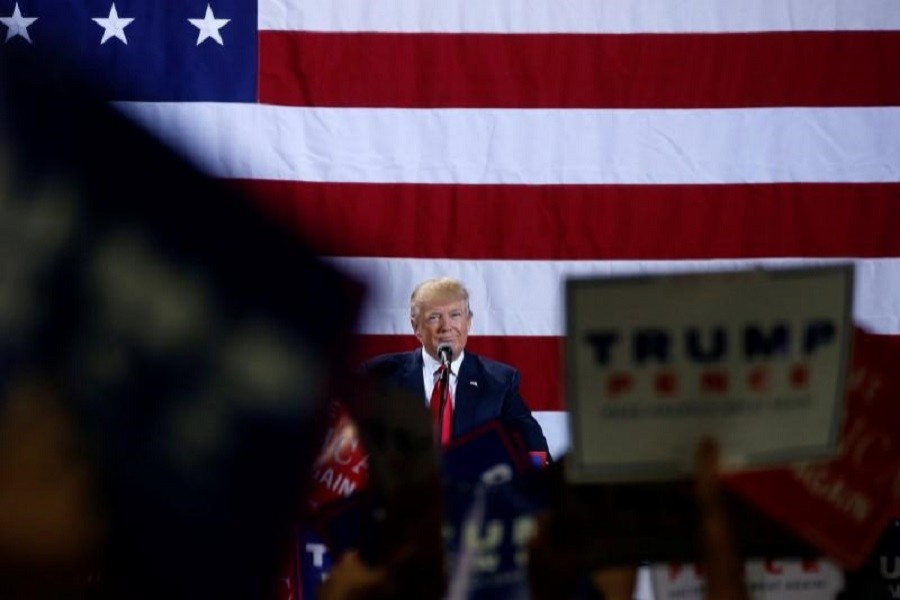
x=209, y=26
x=113, y=26
x=17, y=24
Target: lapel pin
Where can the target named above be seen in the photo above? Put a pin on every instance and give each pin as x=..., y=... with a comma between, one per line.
x=475, y=383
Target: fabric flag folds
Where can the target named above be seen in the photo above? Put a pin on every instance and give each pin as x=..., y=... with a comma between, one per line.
x=512, y=144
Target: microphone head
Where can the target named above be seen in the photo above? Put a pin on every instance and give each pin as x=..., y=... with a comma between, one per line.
x=445, y=352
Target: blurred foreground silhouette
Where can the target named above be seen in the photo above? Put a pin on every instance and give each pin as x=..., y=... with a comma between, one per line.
x=165, y=356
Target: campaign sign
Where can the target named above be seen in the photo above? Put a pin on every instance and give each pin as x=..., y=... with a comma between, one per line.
x=487, y=452
x=342, y=468
x=756, y=359
x=314, y=562
x=489, y=515
x=770, y=579
x=843, y=505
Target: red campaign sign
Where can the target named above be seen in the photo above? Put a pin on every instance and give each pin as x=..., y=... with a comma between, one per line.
x=841, y=506
x=342, y=468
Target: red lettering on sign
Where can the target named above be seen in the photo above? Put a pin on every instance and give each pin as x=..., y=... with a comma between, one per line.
x=799, y=376
x=714, y=382
x=665, y=383
x=809, y=566
x=618, y=384
x=770, y=567
x=758, y=379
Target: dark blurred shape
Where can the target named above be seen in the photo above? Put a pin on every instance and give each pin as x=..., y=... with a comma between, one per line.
x=405, y=492
x=50, y=527
x=564, y=557
x=387, y=540
x=492, y=496
x=626, y=524
x=879, y=577
x=721, y=560
x=191, y=341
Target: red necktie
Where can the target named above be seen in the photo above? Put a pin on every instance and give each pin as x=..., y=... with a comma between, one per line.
x=447, y=424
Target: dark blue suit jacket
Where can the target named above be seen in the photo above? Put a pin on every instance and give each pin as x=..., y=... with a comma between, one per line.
x=486, y=390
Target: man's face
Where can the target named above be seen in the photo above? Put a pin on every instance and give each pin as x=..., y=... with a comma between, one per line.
x=443, y=321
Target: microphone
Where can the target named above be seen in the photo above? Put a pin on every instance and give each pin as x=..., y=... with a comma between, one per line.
x=445, y=354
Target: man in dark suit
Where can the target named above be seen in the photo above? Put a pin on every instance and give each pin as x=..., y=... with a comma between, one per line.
x=482, y=389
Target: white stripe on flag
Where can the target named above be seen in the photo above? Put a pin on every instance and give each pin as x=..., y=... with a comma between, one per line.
x=555, y=425
x=777, y=145
x=579, y=16
x=525, y=298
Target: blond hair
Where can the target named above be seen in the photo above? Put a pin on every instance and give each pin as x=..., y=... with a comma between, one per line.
x=441, y=288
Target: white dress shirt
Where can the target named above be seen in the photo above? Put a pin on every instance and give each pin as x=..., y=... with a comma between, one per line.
x=429, y=372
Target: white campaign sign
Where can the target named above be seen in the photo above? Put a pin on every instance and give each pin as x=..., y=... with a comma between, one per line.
x=756, y=359
x=766, y=580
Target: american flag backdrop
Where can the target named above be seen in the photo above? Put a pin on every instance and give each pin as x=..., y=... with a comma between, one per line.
x=511, y=143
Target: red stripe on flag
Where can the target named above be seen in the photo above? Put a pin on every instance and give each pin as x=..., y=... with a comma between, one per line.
x=598, y=221
x=538, y=359
x=697, y=70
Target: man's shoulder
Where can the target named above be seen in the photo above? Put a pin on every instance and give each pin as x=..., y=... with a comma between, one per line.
x=386, y=364
x=493, y=367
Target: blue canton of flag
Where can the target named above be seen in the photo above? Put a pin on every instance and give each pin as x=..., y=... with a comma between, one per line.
x=191, y=50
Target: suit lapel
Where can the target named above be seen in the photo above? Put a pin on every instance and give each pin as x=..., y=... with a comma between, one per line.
x=467, y=388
